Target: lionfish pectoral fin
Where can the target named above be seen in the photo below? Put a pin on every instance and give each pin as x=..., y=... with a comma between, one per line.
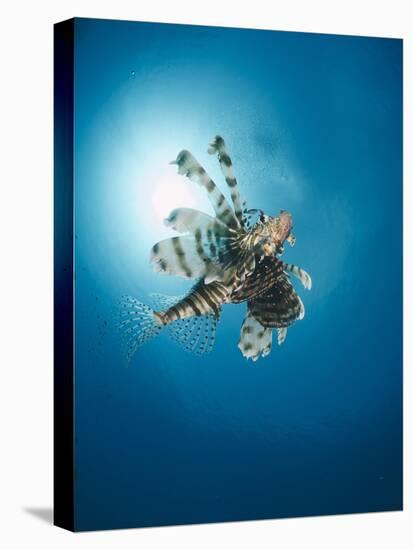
x=255, y=340
x=279, y=306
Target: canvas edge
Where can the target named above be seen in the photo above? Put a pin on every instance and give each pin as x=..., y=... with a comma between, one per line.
x=63, y=353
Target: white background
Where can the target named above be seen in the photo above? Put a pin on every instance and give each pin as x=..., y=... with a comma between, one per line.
x=26, y=274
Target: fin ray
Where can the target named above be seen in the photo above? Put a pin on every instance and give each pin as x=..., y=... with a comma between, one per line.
x=218, y=147
x=182, y=256
x=194, y=334
x=190, y=167
x=301, y=275
x=280, y=306
x=137, y=324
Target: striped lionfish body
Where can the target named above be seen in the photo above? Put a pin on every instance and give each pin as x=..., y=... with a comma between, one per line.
x=231, y=259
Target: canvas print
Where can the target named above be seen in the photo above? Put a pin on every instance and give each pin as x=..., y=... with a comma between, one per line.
x=228, y=274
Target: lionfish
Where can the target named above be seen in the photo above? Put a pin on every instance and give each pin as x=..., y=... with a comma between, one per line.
x=233, y=257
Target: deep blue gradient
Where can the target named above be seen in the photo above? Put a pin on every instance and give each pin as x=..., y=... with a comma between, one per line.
x=314, y=126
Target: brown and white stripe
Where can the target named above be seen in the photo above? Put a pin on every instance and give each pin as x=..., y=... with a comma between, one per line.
x=178, y=256
x=213, y=239
x=201, y=254
x=301, y=275
x=190, y=167
x=202, y=300
x=218, y=147
x=189, y=220
x=278, y=307
x=195, y=334
x=264, y=277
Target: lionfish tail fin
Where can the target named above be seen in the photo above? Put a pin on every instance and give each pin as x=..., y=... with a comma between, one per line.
x=138, y=324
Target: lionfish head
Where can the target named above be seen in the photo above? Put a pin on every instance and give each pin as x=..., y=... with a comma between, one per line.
x=281, y=230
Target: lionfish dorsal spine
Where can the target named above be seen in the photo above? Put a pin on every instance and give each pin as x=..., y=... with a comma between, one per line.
x=218, y=147
x=190, y=167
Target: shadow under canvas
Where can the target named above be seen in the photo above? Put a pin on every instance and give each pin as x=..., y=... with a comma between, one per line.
x=44, y=514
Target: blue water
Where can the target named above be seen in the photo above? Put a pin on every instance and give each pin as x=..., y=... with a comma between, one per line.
x=314, y=126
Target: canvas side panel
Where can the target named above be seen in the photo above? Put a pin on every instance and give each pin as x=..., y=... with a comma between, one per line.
x=63, y=275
